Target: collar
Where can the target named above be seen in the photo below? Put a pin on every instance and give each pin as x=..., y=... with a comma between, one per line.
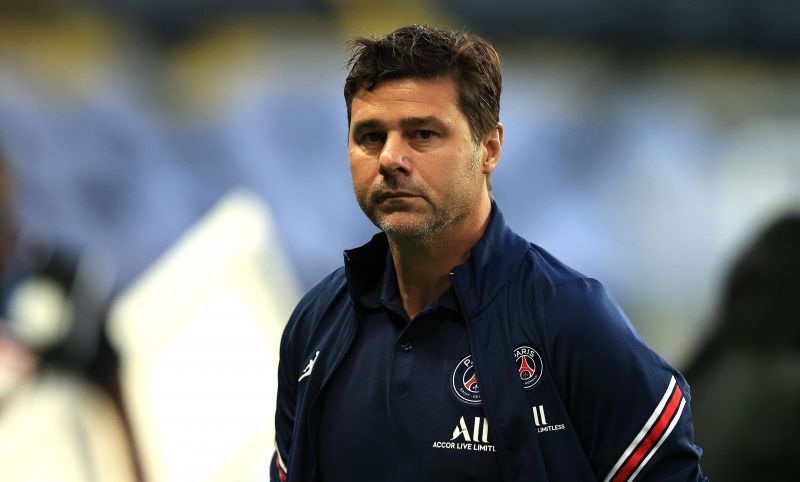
x=491, y=262
x=385, y=293
x=493, y=259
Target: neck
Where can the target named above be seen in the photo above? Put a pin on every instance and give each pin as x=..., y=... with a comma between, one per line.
x=423, y=266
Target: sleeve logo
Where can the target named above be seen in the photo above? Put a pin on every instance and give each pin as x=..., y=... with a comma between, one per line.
x=307, y=370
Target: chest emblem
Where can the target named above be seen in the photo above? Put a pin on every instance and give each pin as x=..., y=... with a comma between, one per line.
x=464, y=380
x=529, y=366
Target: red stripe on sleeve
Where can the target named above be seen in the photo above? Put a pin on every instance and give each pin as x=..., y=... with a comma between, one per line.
x=281, y=473
x=652, y=437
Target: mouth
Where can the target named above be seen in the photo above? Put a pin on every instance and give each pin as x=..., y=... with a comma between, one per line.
x=399, y=195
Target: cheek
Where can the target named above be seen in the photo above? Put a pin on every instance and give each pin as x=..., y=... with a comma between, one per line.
x=353, y=162
x=360, y=175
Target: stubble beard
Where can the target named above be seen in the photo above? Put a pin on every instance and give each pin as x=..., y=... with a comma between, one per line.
x=419, y=230
x=430, y=222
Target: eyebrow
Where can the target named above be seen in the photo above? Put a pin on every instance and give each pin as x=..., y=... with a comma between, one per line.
x=422, y=121
x=405, y=123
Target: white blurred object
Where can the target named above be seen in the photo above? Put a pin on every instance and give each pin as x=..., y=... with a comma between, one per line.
x=198, y=337
x=56, y=427
x=40, y=312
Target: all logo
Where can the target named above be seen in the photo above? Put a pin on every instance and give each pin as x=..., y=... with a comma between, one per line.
x=464, y=380
x=474, y=434
x=468, y=436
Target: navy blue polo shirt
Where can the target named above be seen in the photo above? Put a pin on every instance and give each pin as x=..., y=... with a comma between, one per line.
x=404, y=403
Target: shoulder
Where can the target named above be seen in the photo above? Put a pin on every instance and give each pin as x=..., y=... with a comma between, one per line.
x=584, y=329
x=569, y=297
x=315, y=304
x=586, y=326
x=321, y=294
x=550, y=268
x=560, y=290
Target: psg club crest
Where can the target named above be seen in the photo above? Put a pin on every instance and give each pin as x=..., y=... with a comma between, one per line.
x=464, y=380
x=529, y=366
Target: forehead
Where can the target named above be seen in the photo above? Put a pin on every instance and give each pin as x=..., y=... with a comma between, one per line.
x=408, y=97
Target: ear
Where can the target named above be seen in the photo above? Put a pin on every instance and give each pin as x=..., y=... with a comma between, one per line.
x=493, y=143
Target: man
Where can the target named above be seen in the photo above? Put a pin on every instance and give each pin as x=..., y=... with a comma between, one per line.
x=448, y=348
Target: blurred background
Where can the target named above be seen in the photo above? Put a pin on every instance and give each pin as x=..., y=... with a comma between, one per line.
x=177, y=177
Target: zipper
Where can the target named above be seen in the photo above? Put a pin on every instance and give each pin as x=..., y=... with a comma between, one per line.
x=470, y=336
x=472, y=352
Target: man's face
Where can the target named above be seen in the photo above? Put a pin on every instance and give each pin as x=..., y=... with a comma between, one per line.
x=415, y=166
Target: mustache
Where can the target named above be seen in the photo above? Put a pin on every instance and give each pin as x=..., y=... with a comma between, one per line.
x=384, y=189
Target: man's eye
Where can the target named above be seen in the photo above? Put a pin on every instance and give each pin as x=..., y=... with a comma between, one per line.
x=424, y=135
x=373, y=138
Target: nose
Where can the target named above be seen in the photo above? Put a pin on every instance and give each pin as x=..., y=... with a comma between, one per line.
x=394, y=158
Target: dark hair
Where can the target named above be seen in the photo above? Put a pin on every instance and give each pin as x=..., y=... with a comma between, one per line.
x=429, y=52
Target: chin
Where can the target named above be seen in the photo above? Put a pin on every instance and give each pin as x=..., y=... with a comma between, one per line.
x=405, y=225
